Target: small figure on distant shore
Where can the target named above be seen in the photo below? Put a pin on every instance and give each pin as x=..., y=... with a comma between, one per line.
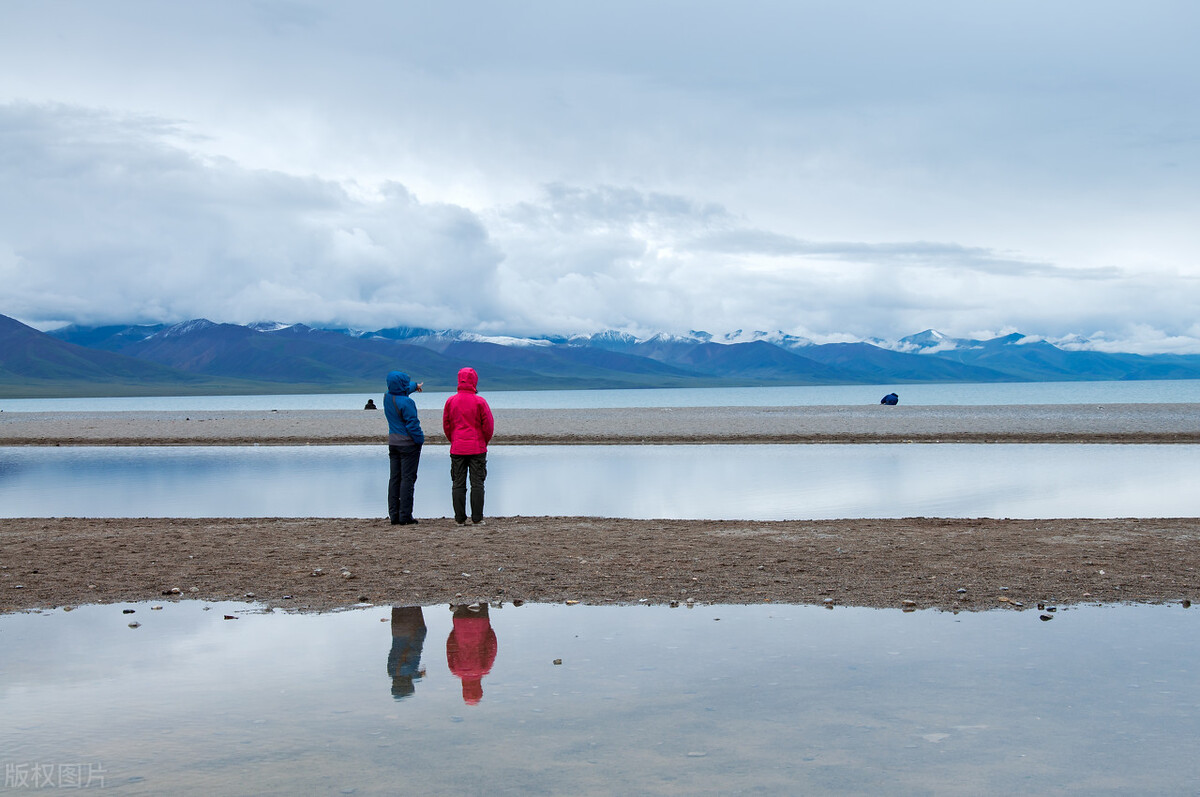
x=370, y=405
x=405, y=439
x=468, y=424
x=890, y=399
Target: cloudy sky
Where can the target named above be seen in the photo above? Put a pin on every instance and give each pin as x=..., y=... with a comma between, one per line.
x=831, y=170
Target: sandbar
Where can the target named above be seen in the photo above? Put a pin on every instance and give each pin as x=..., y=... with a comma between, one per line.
x=1047, y=423
x=320, y=564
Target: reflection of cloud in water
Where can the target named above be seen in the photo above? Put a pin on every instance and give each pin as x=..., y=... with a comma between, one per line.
x=752, y=482
x=774, y=482
x=778, y=698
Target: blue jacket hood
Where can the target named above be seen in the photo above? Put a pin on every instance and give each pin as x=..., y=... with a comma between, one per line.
x=399, y=383
x=404, y=422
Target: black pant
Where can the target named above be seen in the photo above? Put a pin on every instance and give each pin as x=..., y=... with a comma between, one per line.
x=460, y=466
x=404, y=461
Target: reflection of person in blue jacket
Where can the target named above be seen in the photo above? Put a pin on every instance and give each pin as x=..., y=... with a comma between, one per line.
x=404, y=659
x=405, y=439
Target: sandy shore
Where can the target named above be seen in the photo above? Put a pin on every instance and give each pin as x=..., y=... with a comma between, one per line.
x=909, y=563
x=1074, y=423
x=300, y=563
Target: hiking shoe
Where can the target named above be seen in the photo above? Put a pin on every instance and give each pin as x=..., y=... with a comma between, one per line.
x=480, y=522
x=460, y=522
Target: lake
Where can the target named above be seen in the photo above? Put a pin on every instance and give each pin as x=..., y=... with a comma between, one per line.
x=745, y=482
x=548, y=699
x=943, y=394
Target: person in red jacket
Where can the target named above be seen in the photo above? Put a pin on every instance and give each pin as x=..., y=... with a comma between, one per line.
x=467, y=422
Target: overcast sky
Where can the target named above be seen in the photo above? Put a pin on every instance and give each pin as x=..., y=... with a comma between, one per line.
x=834, y=170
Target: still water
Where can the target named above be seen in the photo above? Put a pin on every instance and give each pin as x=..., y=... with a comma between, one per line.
x=744, y=482
x=543, y=699
x=1181, y=391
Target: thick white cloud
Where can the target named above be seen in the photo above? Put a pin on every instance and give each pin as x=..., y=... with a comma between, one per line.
x=840, y=169
x=105, y=221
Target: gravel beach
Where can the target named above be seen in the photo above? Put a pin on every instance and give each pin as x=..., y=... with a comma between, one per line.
x=302, y=564
x=323, y=564
x=1049, y=423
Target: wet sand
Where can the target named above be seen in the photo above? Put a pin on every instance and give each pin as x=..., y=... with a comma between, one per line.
x=884, y=563
x=952, y=564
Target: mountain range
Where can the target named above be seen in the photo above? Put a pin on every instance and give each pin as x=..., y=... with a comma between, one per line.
x=203, y=357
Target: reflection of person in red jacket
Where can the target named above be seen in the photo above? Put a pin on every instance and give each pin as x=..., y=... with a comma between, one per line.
x=468, y=425
x=471, y=649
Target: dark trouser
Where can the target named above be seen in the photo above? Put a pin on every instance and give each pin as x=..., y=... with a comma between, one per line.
x=460, y=466
x=403, y=478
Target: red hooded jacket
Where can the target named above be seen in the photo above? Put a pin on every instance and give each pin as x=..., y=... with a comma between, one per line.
x=467, y=418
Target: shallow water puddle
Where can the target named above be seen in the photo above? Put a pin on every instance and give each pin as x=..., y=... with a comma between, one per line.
x=743, y=482
x=222, y=698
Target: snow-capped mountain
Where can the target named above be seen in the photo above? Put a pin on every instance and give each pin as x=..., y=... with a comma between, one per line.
x=272, y=354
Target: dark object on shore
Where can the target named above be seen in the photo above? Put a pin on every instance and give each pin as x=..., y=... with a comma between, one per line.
x=370, y=405
x=890, y=399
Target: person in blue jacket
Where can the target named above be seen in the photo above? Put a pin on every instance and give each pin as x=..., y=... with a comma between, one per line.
x=405, y=439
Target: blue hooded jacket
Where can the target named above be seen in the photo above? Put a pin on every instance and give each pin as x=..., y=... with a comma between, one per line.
x=404, y=426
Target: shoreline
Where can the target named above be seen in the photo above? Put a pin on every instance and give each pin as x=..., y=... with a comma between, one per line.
x=1159, y=424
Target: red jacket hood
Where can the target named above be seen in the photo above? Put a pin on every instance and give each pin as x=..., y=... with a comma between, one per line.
x=468, y=380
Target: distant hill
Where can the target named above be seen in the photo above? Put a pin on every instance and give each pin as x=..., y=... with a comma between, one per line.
x=758, y=362
x=1026, y=360
x=571, y=366
x=108, y=338
x=201, y=356
x=33, y=363
x=888, y=366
